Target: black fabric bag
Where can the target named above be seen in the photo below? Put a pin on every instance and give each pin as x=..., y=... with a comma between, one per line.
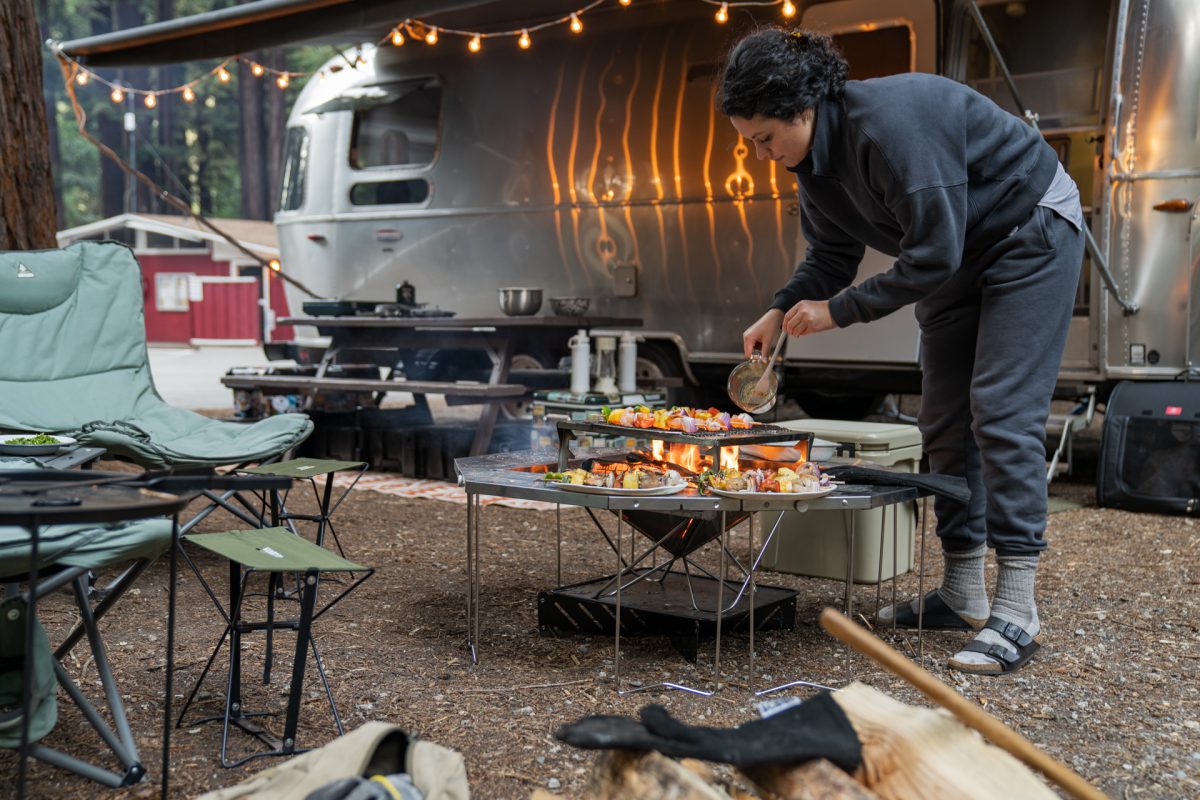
x=1150, y=449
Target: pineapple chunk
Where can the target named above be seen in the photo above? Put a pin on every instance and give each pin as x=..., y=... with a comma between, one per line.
x=630, y=479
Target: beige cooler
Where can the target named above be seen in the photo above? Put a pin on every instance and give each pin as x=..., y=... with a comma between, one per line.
x=814, y=542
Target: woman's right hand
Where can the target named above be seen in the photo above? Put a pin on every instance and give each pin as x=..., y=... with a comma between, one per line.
x=761, y=335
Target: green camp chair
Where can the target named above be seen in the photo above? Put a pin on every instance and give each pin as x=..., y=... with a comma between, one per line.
x=66, y=553
x=271, y=551
x=73, y=334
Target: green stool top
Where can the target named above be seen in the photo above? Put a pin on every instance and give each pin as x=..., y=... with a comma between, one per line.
x=273, y=550
x=303, y=467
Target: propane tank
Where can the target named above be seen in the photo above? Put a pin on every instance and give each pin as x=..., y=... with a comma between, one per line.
x=627, y=363
x=581, y=362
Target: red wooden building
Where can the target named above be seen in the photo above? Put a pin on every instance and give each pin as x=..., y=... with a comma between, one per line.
x=199, y=288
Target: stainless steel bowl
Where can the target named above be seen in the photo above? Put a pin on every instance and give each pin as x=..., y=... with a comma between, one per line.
x=569, y=306
x=516, y=301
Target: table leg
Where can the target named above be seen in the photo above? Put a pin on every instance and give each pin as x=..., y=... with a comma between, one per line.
x=501, y=361
x=170, y=676
x=471, y=577
x=617, y=620
x=27, y=663
x=753, y=563
x=720, y=605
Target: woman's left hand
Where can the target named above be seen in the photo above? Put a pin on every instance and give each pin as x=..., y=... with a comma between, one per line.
x=808, y=316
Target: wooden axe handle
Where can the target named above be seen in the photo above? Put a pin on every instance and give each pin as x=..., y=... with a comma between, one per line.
x=995, y=731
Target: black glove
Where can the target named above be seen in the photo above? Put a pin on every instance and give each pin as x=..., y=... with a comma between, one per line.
x=817, y=728
x=949, y=486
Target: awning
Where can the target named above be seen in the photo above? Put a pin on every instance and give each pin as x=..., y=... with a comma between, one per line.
x=254, y=26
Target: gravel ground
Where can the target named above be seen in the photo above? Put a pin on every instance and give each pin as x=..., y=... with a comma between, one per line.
x=1113, y=692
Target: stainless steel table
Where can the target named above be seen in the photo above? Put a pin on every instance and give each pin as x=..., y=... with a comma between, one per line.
x=506, y=475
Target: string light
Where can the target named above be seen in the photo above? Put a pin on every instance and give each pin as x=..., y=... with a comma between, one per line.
x=409, y=28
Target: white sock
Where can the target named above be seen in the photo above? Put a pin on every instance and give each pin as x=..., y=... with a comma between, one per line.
x=1013, y=603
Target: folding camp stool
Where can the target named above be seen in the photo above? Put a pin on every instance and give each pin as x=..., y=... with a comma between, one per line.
x=274, y=502
x=271, y=551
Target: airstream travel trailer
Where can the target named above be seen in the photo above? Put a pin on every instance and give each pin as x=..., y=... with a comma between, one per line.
x=597, y=165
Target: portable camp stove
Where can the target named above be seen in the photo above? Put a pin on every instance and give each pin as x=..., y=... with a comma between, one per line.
x=675, y=597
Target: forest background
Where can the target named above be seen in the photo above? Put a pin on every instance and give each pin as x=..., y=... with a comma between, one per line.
x=219, y=153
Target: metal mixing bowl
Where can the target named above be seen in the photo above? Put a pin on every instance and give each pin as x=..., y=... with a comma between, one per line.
x=570, y=306
x=520, y=302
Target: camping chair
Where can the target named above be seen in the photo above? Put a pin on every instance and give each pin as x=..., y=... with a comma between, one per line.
x=73, y=332
x=271, y=551
x=66, y=553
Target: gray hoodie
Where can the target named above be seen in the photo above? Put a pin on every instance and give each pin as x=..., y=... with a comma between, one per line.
x=916, y=166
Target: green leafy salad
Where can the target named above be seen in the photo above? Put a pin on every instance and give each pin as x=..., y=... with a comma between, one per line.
x=40, y=438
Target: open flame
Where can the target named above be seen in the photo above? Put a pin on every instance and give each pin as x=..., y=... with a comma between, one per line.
x=689, y=456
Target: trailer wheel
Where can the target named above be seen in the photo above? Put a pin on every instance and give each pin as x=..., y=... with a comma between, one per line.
x=828, y=405
x=521, y=407
x=656, y=363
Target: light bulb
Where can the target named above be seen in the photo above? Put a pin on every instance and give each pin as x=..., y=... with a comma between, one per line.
x=397, y=37
x=475, y=44
x=117, y=95
x=257, y=69
x=81, y=78
x=188, y=94
x=576, y=25
x=431, y=37
x=274, y=265
x=723, y=13
x=282, y=80
x=789, y=10
x=151, y=101
x=223, y=75
x=524, y=41
x=625, y=2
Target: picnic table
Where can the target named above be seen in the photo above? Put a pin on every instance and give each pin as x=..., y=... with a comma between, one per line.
x=387, y=337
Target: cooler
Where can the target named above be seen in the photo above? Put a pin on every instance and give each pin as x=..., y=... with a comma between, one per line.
x=814, y=542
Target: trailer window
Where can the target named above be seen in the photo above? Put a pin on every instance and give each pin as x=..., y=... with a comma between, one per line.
x=878, y=52
x=383, y=193
x=295, y=165
x=1058, y=76
x=399, y=132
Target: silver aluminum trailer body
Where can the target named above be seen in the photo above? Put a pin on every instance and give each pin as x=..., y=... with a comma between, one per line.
x=597, y=165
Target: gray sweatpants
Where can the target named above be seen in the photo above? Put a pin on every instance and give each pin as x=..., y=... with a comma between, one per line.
x=992, y=338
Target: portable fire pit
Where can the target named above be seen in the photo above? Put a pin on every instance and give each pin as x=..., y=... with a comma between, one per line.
x=677, y=597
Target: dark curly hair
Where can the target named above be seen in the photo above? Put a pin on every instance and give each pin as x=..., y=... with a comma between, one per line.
x=779, y=73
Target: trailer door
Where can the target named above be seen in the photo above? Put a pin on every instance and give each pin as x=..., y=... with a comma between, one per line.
x=878, y=37
x=1154, y=185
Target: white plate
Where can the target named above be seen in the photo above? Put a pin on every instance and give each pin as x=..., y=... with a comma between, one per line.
x=31, y=449
x=772, y=495
x=654, y=491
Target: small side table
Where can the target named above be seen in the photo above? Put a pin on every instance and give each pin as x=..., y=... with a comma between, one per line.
x=275, y=502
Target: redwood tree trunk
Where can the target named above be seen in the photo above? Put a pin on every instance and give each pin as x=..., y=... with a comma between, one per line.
x=27, y=212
